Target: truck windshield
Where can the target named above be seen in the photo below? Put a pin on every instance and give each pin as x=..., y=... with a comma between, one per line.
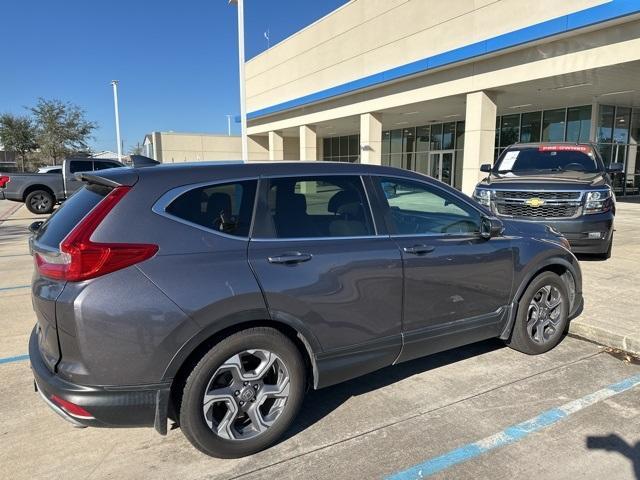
x=555, y=158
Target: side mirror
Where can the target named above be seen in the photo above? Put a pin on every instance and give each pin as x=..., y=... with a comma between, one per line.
x=490, y=227
x=35, y=226
x=615, y=168
x=486, y=168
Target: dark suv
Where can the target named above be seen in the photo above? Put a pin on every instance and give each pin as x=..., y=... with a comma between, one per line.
x=215, y=295
x=564, y=185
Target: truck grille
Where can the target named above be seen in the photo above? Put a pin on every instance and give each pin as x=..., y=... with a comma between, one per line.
x=522, y=210
x=514, y=203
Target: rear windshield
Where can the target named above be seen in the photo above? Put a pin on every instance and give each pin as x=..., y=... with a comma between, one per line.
x=548, y=158
x=58, y=226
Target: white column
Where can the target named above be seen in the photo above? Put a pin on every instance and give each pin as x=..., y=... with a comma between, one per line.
x=308, y=150
x=479, y=137
x=371, y=138
x=276, y=146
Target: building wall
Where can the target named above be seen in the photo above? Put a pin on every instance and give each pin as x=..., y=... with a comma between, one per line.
x=369, y=36
x=172, y=147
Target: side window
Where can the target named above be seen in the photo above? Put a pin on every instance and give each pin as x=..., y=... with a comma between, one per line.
x=418, y=209
x=226, y=207
x=102, y=165
x=312, y=207
x=80, y=166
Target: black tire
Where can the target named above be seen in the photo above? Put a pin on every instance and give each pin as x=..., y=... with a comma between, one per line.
x=521, y=338
x=192, y=419
x=40, y=202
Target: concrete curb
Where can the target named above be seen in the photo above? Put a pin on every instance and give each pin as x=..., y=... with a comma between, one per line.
x=606, y=337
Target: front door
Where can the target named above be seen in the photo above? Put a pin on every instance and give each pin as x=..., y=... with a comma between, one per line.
x=316, y=254
x=457, y=284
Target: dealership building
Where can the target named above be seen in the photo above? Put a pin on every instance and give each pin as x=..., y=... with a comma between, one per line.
x=440, y=87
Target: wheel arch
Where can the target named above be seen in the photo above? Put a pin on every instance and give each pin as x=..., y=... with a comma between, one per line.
x=561, y=267
x=33, y=188
x=190, y=354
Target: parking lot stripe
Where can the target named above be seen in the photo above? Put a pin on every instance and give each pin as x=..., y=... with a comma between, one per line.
x=513, y=433
x=16, y=358
x=2, y=289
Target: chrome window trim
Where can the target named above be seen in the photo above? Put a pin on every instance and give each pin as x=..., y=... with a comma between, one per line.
x=313, y=239
x=160, y=205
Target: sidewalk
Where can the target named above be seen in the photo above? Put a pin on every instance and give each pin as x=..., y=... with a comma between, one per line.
x=611, y=314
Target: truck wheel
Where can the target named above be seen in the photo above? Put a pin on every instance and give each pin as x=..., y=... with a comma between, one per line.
x=542, y=316
x=40, y=202
x=244, y=393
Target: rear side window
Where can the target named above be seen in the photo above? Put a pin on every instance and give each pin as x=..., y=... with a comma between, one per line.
x=58, y=226
x=101, y=165
x=313, y=207
x=226, y=207
x=80, y=166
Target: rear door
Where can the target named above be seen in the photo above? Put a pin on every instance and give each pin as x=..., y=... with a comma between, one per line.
x=46, y=241
x=456, y=284
x=319, y=261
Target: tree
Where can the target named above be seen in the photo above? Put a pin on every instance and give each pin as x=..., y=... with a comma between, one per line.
x=136, y=149
x=62, y=128
x=18, y=134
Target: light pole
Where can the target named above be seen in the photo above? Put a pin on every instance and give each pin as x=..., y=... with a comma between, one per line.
x=243, y=107
x=229, y=125
x=114, y=84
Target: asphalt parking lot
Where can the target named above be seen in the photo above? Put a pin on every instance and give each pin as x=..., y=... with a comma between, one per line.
x=482, y=411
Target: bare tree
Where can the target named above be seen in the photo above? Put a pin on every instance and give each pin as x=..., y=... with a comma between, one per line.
x=62, y=128
x=136, y=149
x=18, y=134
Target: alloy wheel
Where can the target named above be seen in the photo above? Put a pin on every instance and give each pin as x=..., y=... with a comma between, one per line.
x=544, y=314
x=246, y=394
x=40, y=202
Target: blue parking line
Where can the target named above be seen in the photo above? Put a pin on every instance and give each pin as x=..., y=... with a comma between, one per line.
x=17, y=358
x=513, y=433
x=17, y=287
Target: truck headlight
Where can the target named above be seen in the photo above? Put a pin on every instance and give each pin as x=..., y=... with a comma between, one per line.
x=598, y=201
x=482, y=196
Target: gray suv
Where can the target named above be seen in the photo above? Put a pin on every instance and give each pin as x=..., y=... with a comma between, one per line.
x=215, y=295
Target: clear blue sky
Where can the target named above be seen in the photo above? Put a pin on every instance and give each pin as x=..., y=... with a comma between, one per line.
x=176, y=60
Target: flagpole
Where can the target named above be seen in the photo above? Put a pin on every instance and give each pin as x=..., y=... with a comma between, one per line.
x=241, y=61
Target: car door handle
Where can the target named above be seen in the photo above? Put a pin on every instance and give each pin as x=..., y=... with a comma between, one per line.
x=419, y=249
x=291, y=258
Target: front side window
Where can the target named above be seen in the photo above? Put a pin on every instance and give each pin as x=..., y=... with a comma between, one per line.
x=226, y=208
x=315, y=207
x=419, y=209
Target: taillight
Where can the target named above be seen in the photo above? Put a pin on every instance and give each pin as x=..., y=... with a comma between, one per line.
x=81, y=259
x=71, y=408
x=4, y=180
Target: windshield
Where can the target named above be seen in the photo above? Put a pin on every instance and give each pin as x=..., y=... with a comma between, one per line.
x=555, y=158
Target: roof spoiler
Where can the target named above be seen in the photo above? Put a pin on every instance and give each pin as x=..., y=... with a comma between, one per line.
x=140, y=161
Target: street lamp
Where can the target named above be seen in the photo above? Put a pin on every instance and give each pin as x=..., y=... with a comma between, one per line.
x=243, y=107
x=114, y=84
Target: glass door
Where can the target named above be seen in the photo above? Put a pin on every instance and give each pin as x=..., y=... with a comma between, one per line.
x=442, y=166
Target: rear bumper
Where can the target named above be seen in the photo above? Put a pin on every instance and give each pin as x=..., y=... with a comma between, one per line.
x=137, y=406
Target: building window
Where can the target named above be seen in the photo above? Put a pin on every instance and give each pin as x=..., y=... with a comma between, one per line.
x=579, y=124
x=531, y=127
x=341, y=149
x=553, y=125
x=510, y=131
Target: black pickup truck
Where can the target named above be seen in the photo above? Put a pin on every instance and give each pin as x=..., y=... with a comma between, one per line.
x=563, y=185
x=42, y=191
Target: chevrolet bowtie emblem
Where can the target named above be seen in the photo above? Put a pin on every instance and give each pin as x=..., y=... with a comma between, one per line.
x=535, y=202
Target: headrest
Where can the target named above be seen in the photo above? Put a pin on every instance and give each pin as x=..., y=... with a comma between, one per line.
x=343, y=197
x=219, y=202
x=350, y=210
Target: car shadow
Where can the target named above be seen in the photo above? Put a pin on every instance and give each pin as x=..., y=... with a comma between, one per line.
x=320, y=403
x=615, y=443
